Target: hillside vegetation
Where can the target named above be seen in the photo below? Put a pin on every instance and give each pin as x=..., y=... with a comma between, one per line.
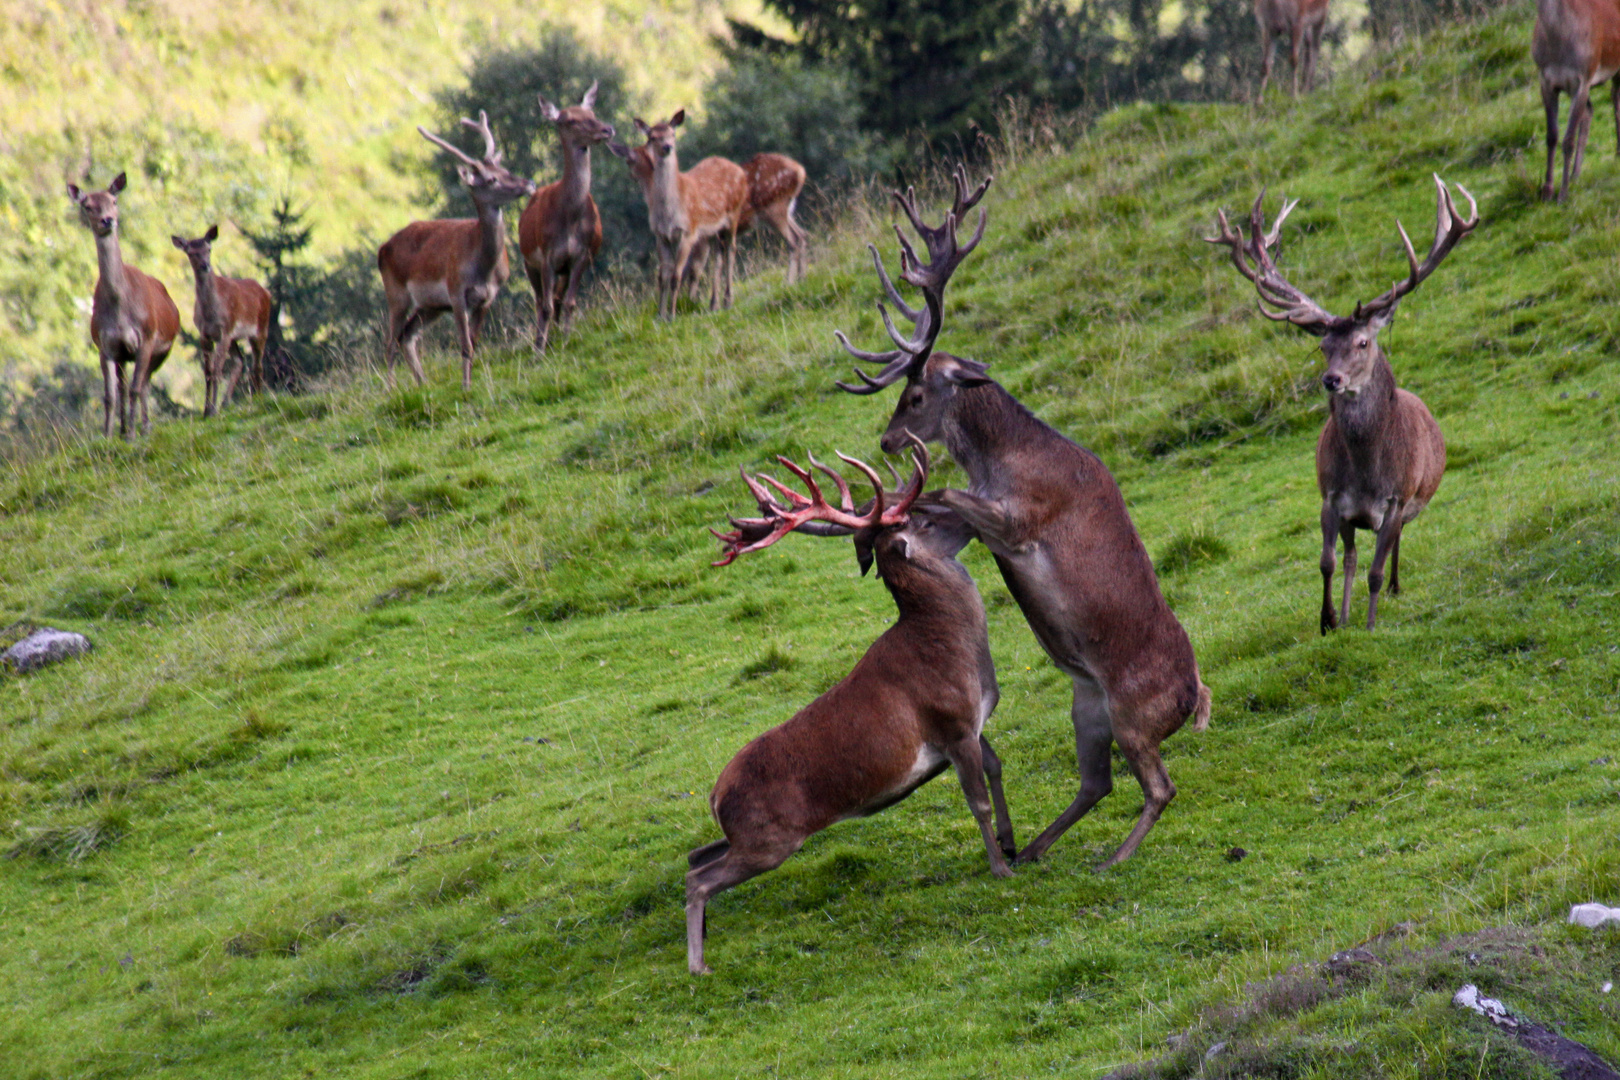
x=404, y=704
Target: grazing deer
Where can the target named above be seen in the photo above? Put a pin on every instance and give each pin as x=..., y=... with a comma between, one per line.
x=774, y=183
x=560, y=231
x=132, y=318
x=1380, y=456
x=1302, y=23
x=684, y=208
x=1051, y=514
x=915, y=704
x=229, y=312
x=1576, y=46
x=456, y=265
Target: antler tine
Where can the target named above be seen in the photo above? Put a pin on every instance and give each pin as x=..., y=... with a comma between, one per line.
x=1449, y=229
x=491, y=154
x=876, y=513
x=446, y=145
x=845, y=502
x=965, y=201
x=812, y=514
x=919, y=475
x=761, y=496
x=1292, y=305
x=908, y=203
x=888, y=286
x=910, y=346
x=869, y=357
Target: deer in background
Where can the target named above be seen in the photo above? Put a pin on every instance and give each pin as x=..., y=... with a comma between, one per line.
x=1302, y=23
x=684, y=208
x=1576, y=45
x=457, y=264
x=1380, y=455
x=560, y=231
x=229, y=313
x=1056, y=523
x=132, y=318
x=774, y=183
x=915, y=704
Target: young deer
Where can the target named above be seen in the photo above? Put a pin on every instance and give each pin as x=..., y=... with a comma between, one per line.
x=915, y=704
x=132, y=318
x=229, y=312
x=560, y=231
x=1576, y=46
x=774, y=183
x=1380, y=456
x=1302, y=23
x=456, y=265
x=1051, y=514
x=684, y=208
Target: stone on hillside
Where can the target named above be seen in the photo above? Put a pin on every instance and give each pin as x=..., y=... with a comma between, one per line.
x=43, y=647
x=1593, y=915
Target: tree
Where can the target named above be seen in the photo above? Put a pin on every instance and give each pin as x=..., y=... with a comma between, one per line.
x=286, y=237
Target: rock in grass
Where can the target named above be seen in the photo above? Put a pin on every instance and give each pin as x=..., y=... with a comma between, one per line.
x=43, y=647
x=1593, y=915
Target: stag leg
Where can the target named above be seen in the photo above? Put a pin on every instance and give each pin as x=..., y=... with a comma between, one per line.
x=992, y=774
x=1330, y=535
x=541, y=282
x=411, y=344
x=968, y=758
x=139, y=388
x=464, y=338
x=1549, y=104
x=715, y=875
x=126, y=405
x=1268, y=54
x=1395, y=567
x=1586, y=130
x=989, y=519
x=1347, y=534
x=707, y=853
x=1296, y=36
x=257, y=353
x=1388, y=537
x=1142, y=754
x=111, y=395
x=1579, y=106
x=234, y=355
x=1093, y=737
x=1313, y=51
x=570, y=291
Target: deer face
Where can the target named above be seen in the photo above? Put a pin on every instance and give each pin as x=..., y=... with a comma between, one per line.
x=1352, y=353
x=661, y=136
x=198, y=251
x=930, y=532
x=927, y=396
x=491, y=185
x=98, y=210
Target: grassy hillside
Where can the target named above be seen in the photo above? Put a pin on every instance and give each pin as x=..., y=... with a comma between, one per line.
x=218, y=108
x=404, y=704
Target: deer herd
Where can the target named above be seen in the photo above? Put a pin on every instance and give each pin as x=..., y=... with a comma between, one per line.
x=1047, y=509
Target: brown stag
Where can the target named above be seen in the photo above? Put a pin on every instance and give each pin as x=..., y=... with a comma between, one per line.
x=1380, y=456
x=132, y=318
x=1576, y=46
x=232, y=316
x=456, y=265
x=915, y=704
x=1302, y=23
x=560, y=231
x=686, y=208
x=1053, y=517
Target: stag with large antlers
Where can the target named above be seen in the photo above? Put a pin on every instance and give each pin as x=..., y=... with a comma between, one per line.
x=133, y=319
x=1051, y=514
x=1380, y=455
x=915, y=704
x=1576, y=47
x=456, y=265
x=560, y=231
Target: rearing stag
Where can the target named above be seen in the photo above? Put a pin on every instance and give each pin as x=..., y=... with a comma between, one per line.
x=1051, y=514
x=1380, y=455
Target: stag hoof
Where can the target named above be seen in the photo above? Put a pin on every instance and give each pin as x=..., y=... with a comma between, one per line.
x=1002, y=871
x=700, y=969
x=1330, y=621
x=1025, y=857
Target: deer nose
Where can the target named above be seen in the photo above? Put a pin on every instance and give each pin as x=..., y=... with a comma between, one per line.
x=893, y=442
x=1333, y=380
x=106, y=223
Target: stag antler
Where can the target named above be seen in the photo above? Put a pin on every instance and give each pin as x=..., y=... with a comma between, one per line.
x=799, y=512
x=492, y=156
x=1449, y=228
x=1294, y=306
x=945, y=254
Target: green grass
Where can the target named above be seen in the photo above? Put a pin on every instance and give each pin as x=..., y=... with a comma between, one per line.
x=404, y=705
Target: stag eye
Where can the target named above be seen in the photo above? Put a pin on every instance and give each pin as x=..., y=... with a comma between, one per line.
x=1362, y=344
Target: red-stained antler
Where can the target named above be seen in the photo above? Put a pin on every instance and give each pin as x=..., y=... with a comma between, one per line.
x=752, y=534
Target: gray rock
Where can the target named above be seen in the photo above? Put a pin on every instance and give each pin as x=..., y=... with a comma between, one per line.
x=1593, y=915
x=43, y=647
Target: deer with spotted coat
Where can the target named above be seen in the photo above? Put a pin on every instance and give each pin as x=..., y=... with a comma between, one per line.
x=457, y=264
x=133, y=319
x=1056, y=523
x=232, y=315
x=1380, y=456
x=914, y=705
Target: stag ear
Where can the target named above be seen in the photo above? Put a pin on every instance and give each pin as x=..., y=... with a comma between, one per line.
x=957, y=371
x=678, y=119
x=117, y=185
x=589, y=100
x=863, y=553
x=641, y=126
x=177, y=242
x=1382, y=318
x=212, y=234
x=469, y=176
x=548, y=110
x=74, y=193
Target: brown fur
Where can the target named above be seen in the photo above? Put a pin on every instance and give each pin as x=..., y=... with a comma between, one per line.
x=1302, y=23
x=774, y=183
x=133, y=320
x=920, y=696
x=560, y=231
x=1576, y=46
x=228, y=312
x=1053, y=517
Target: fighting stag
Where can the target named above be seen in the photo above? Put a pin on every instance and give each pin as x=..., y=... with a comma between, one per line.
x=232, y=316
x=1051, y=514
x=1380, y=455
x=456, y=265
x=133, y=320
x=915, y=704
x=1576, y=47
x=560, y=231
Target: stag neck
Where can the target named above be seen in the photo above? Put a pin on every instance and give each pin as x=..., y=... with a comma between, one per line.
x=936, y=595
x=110, y=263
x=983, y=424
x=208, y=302
x=576, y=175
x=491, y=235
x=1362, y=419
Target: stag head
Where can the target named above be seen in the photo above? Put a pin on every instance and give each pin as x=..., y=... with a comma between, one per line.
x=98, y=210
x=486, y=178
x=1350, y=344
x=577, y=124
